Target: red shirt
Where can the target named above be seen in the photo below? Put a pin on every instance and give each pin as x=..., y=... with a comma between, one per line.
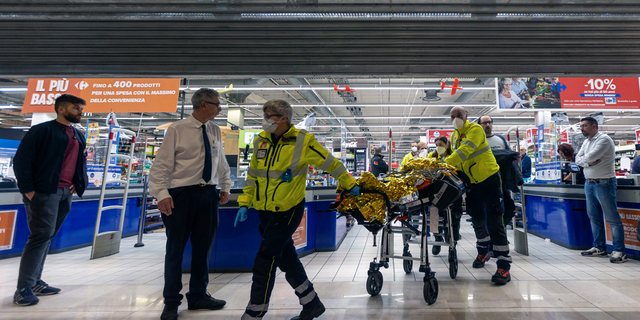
x=70, y=159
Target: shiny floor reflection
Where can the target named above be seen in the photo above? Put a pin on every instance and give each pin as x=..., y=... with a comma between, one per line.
x=551, y=283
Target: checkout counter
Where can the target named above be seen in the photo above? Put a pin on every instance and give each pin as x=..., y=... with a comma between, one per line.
x=234, y=248
x=77, y=230
x=559, y=213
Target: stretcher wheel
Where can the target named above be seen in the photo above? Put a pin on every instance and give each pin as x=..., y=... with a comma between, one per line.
x=453, y=263
x=435, y=250
x=407, y=264
x=374, y=283
x=430, y=290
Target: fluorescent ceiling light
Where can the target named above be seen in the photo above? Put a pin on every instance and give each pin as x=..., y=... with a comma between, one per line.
x=391, y=105
x=8, y=107
x=13, y=89
x=20, y=127
x=330, y=88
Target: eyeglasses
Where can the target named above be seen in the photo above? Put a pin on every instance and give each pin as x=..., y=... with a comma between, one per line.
x=267, y=116
x=487, y=122
x=217, y=104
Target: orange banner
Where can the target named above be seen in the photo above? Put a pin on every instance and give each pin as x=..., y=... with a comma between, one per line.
x=105, y=95
x=300, y=235
x=629, y=219
x=7, y=228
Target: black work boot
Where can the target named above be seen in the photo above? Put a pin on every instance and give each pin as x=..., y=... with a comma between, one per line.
x=170, y=312
x=308, y=314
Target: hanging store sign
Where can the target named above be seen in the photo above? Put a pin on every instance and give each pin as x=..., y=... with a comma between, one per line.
x=7, y=228
x=637, y=136
x=433, y=134
x=599, y=93
x=532, y=134
x=571, y=93
x=104, y=95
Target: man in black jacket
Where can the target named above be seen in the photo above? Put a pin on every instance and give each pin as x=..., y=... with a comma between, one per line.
x=378, y=165
x=50, y=166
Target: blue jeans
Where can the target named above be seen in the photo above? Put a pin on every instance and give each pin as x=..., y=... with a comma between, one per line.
x=601, y=198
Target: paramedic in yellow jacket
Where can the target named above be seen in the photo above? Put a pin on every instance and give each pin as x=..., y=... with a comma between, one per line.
x=472, y=154
x=275, y=187
x=413, y=153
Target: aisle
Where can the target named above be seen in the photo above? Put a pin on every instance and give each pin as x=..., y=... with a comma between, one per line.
x=551, y=283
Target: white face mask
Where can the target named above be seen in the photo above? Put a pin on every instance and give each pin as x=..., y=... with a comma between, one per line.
x=441, y=150
x=414, y=149
x=269, y=125
x=457, y=123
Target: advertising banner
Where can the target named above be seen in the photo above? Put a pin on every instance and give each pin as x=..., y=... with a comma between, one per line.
x=548, y=173
x=569, y=93
x=93, y=132
x=599, y=93
x=385, y=147
x=104, y=95
x=7, y=228
x=629, y=219
x=95, y=172
x=433, y=134
x=300, y=235
x=637, y=136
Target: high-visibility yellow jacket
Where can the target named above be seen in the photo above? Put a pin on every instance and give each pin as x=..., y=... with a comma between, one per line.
x=472, y=153
x=406, y=159
x=296, y=149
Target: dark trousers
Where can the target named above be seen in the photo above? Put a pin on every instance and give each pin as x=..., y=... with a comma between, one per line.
x=486, y=208
x=45, y=215
x=277, y=250
x=509, y=205
x=195, y=215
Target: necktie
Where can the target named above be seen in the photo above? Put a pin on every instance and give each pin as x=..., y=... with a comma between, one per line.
x=206, y=173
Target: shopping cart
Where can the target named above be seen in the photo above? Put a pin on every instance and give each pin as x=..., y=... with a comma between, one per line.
x=440, y=193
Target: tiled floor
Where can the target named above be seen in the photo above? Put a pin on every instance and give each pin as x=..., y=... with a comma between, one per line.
x=550, y=283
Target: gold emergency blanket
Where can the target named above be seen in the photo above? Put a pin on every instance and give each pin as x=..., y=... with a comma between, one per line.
x=416, y=172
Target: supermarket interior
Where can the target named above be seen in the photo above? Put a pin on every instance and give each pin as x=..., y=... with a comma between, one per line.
x=362, y=80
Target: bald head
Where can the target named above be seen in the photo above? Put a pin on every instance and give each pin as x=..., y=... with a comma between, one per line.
x=458, y=112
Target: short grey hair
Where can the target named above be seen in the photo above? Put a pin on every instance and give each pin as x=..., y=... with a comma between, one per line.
x=505, y=81
x=281, y=107
x=377, y=150
x=200, y=96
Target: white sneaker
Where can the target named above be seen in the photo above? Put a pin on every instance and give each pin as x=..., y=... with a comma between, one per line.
x=618, y=257
x=594, y=252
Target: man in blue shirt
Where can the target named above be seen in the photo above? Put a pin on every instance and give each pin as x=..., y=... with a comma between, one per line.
x=526, y=164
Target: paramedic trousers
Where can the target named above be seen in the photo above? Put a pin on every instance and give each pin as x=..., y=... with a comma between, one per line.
x=486, y=208
x=277, y=250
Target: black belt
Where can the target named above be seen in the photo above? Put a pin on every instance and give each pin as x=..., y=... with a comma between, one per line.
x=596, y=180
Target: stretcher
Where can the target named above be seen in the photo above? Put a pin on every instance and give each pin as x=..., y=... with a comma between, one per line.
x=440, y=193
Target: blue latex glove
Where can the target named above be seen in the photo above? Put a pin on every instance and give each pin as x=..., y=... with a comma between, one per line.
x=355, y=191
x=241, y=216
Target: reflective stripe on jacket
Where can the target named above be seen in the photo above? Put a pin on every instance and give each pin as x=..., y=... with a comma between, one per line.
x=472, y=153
x=296, y=149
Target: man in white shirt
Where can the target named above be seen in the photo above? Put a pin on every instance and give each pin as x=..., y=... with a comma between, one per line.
x=188, y=166
x=597, y=157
